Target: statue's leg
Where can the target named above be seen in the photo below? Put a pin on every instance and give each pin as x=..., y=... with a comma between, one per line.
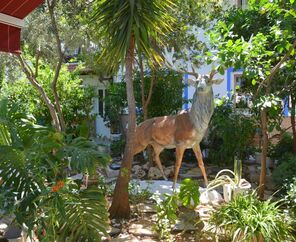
x=179, y=156
x=157, y=150
x=198, y=155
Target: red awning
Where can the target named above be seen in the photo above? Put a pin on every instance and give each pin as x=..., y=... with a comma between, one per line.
x=12, y=13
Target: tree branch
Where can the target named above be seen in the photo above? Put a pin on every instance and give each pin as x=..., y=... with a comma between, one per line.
x=275, y=69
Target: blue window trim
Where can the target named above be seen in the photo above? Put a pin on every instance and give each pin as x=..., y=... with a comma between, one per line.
x=286, y=106
x=229, y=81
x=185, y=92
x=229, y=71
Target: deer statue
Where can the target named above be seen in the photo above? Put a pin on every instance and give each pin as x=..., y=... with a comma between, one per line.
x=184, y=130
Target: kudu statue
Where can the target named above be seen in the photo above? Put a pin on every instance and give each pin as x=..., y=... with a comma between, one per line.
x=184, y=130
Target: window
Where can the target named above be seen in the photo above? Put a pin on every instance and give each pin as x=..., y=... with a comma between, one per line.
x=242, y=3
x=101, y=102
x=241, y=97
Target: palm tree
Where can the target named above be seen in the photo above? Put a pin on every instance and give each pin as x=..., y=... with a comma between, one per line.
x=129, y=25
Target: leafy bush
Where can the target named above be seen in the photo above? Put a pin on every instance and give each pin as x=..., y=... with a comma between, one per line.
x=285, y=145
x=33, y=162
x=166, y=215
x=117, y=147
x=168, y=209
x=189, y=193
x=166, y=96
x=286, y=169
x=290, y=199
x=230, y=134
x=246, y=218
x=76, y=100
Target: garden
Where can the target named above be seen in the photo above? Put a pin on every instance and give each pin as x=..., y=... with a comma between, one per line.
x=223, y=169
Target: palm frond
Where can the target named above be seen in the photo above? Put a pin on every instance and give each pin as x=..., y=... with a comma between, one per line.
x=83, y=155
x=119, y=21
x=86, y=216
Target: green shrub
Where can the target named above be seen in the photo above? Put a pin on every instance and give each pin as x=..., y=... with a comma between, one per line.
x=76, y=99
x=290, y=199
x=286, y=169
x=285, y=145
x=33, y=162
x=189, y=193
x=230, y=134
x=168, y=209
x=117, y=147
x=246, y=218
x=166, y=96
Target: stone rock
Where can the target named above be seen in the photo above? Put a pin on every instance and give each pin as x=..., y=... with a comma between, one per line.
x=139, y=171
x=146, y=208
x=270, y=184
x=192, y=173
x=136, y=168
x=254, y=177
x=154, y=173
x=141, y=228
x=169, y=171
x=188, y=221
x=210, y=197
x=111, y=173
x=124, y=238
x=205, y=211
x=146, y=166
x=114, y=231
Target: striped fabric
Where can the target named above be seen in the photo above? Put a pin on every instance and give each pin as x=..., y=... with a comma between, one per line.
x=9, y=35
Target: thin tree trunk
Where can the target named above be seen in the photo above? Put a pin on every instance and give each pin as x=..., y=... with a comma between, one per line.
x=293, y=121
x=263, y=117
x=146, y=102
x=120, y=207
x=51, y=7
x=40, y=89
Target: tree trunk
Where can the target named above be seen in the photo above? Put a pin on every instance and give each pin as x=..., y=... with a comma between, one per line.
x=30, y=75
x=51, y=7
x=293, y=121
x=120, y=207
x=146, y=102
x=263, y=117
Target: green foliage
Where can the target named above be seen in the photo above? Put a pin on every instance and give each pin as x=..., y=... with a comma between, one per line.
x=230, y=134
x=138, y=195
x=290, y=198
x=141, y=20
x=76, y=100
x=166, y=96
x=189, y=192
x=286, y=169
x=246, y=218
x=168, y=209
x=117, y=147
x=285, y=145
x=34, y=179
x=166, y=215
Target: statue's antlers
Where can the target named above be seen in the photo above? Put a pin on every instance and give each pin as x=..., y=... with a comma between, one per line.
x=178, y=66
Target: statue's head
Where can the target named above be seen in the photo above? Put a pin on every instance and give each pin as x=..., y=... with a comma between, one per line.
x=203, y=83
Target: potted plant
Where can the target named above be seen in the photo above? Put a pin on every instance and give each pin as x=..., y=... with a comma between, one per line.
x=232, y=184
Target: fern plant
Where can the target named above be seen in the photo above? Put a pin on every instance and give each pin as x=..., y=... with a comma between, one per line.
x=33, y=161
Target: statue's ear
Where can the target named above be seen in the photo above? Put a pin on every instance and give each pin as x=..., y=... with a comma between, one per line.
x=217, y=81
x=191, y=82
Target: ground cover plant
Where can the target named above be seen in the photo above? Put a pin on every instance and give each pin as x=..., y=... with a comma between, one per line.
x=246, y=218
